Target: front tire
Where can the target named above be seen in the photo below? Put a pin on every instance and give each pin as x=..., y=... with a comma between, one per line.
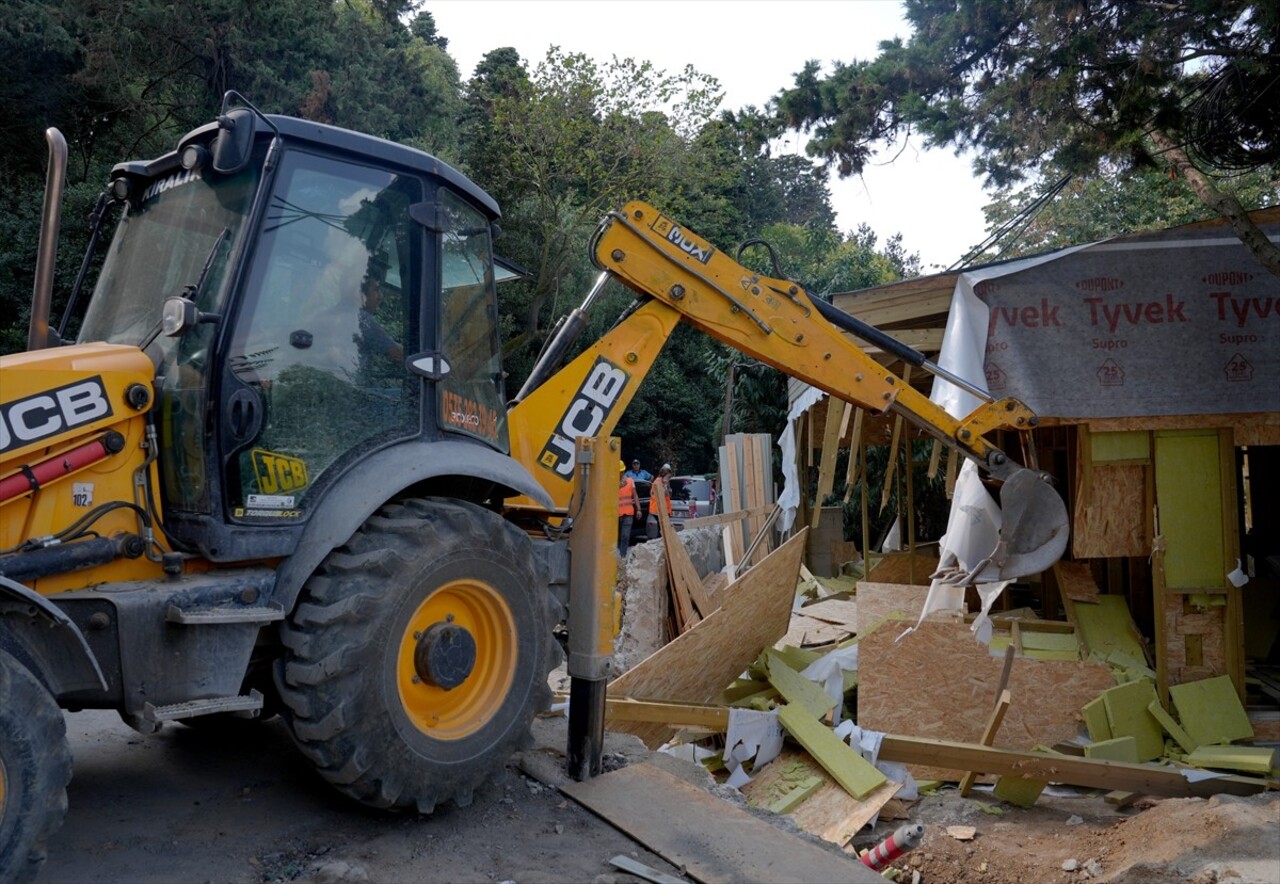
x=418, y=655
x=35, y=767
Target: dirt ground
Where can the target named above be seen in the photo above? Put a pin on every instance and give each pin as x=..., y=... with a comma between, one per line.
x=185, y=805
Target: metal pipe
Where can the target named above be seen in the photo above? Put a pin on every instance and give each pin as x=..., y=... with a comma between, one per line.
x=46, y=256
x=568, y=332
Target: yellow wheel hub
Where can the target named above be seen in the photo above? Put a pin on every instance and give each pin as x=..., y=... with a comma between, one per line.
x=457, y=659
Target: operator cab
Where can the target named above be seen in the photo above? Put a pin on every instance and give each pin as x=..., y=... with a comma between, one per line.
x=330, y=294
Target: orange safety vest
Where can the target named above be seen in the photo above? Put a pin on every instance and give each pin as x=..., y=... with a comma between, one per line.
x=627, y=497
x=666, y=493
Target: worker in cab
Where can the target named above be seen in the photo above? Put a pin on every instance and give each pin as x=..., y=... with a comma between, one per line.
x=628, y=508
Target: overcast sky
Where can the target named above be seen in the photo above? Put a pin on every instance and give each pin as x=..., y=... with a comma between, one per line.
x=754, y=48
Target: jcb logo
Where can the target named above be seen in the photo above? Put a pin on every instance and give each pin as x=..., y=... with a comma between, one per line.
x=46, y=414
x=278, y=473
x=586, y=414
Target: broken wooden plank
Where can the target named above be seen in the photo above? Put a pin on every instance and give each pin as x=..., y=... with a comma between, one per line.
x=695, y=666
x=988, y=735
x=709, y=838
x=831, y=813
x=692, y=600
x=854, y=773
x=723, y=518
x=680, y=715
x=1111, y=775
x=832, y=431
x=841, y=611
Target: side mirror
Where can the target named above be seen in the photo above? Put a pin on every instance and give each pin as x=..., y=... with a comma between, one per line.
x=234, y=141
x=180, y=314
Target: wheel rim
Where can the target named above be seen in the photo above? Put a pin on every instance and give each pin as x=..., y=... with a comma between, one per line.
x=453, y=714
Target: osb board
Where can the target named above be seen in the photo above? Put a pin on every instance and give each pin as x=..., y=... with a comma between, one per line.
x=842, y=611
x=1195, y=642
x=876, y=601
x=1075, y=582
x=904, y=568
x=1113, y=521
x=1261, y=428
x=939, y=683
x=831, y=813
x=805, y=631
x=710, y=839
x=753, y=614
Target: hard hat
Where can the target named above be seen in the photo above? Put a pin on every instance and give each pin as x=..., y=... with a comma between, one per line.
x=666, y=466
x=622, y=468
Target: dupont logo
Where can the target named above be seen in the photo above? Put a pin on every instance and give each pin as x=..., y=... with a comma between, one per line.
x=983, y=289
x=51, y=412
x=1100, y=284
x=1228, y=277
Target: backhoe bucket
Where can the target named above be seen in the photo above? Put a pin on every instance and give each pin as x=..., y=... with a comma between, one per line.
x=1034, y=529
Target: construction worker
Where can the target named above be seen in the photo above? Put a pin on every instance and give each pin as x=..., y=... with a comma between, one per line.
x=628, y=506
x=664, y=477
x=638, y=473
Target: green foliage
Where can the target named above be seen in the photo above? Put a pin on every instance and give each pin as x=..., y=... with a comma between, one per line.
x=1063, y=84
x=1111, y=204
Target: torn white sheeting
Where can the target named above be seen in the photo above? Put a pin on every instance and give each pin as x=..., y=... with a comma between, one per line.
x=789, y=499
x=828, y=671
x=686, y=752
x=751, y=735
x=867, y=743
x=973, y=527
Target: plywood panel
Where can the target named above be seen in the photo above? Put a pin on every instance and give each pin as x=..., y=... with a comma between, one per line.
x=938, y=683
x=753, y=614
x=710, y=839
x=876, y=601
x=1111, y=519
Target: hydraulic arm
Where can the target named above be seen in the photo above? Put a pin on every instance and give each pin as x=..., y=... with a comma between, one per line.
x=683, y=277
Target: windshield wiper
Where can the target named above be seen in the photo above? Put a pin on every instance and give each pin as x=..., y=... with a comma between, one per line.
x=192, y=291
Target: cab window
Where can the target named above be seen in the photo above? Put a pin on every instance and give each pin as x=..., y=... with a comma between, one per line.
x=470, y=395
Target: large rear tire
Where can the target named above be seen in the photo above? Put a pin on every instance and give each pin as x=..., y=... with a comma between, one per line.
x=418, y=655
x=35, y=767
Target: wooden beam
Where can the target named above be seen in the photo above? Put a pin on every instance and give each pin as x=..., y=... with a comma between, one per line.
x=1109, y=775
x=724, y=518
x=993, y=724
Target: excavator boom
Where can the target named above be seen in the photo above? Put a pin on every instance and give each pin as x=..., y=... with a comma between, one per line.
x=682, y=277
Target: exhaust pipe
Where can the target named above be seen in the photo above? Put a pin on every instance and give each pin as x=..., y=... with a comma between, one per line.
x=50, y=218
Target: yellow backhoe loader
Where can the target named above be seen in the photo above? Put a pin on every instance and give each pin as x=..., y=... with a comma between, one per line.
x=276, y=471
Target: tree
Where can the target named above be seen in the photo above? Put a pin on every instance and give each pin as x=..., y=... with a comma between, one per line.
x=1192, y=85
x=561, y=146
x=125, y=81
x=1110, y=204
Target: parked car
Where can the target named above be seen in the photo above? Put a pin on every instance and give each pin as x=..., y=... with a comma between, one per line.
x=693, y=496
